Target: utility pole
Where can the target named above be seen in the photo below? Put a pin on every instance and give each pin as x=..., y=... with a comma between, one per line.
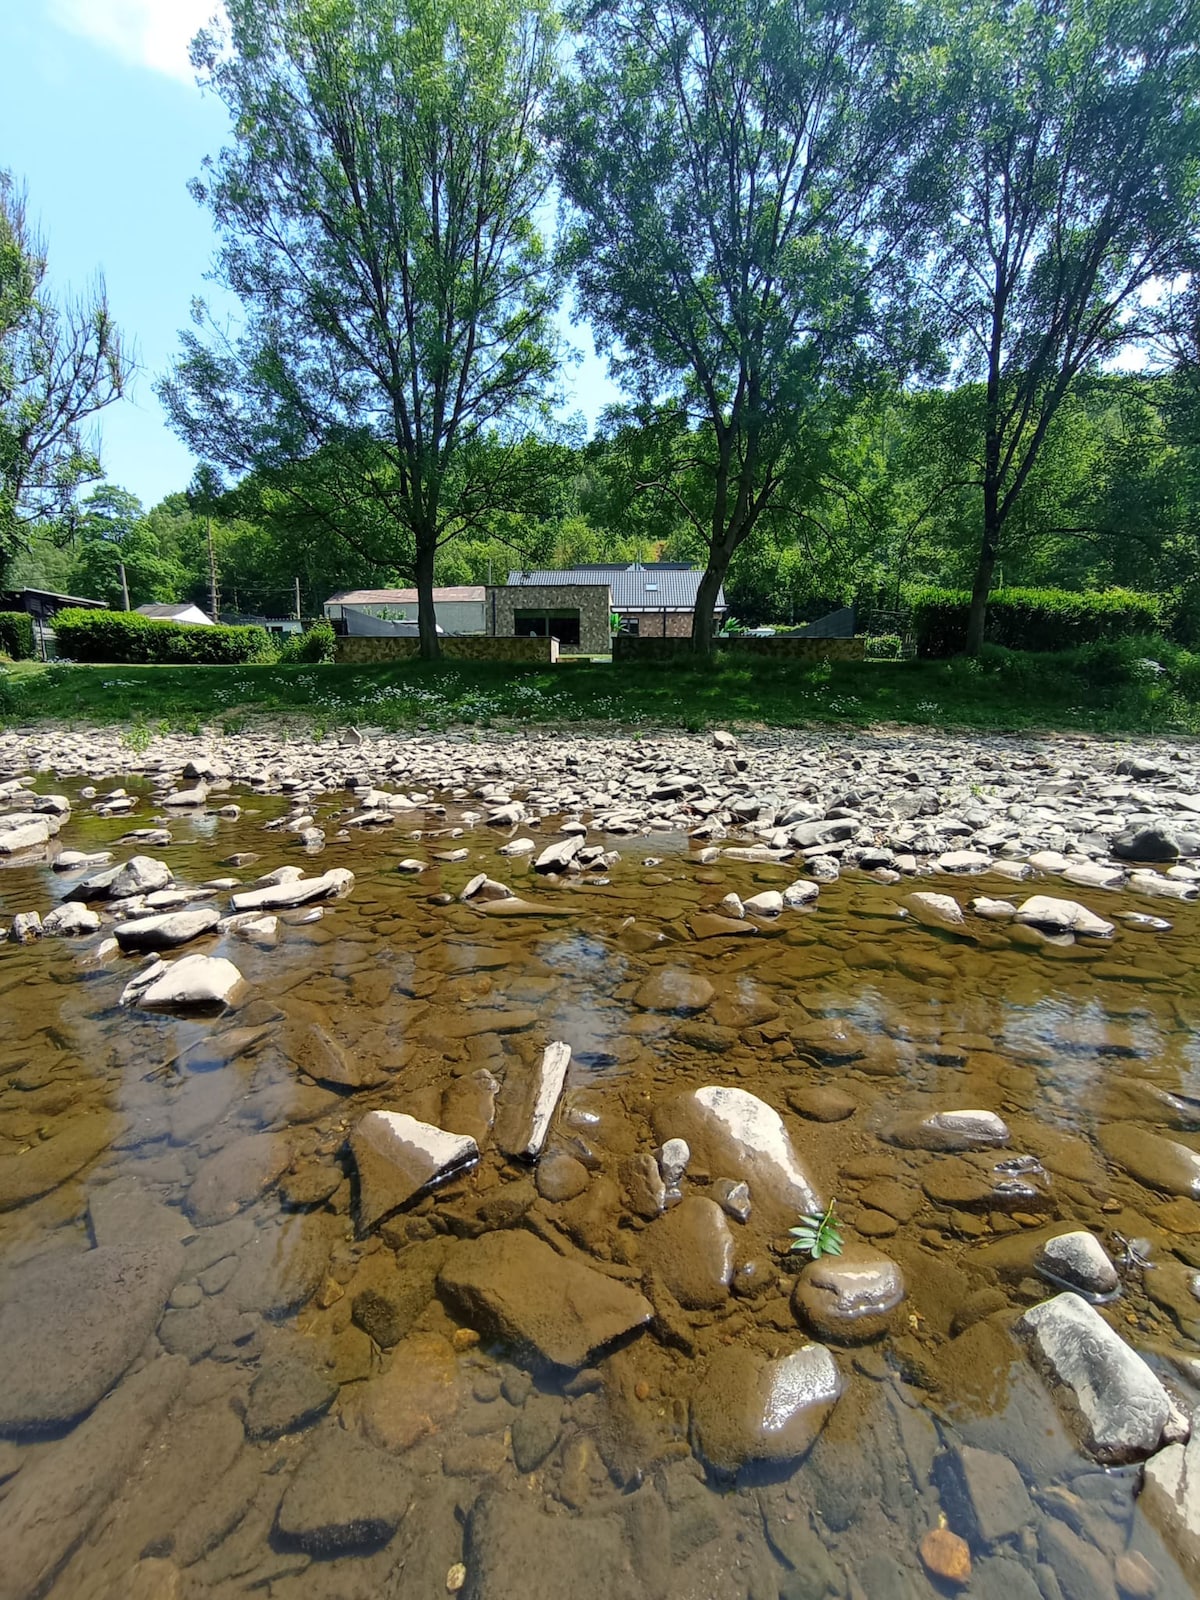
x=124, y=585
x=214, y=594
x=298, y=616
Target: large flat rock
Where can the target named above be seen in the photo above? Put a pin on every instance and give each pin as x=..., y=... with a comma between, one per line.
x=1158, y=1162
x=514, y=1287
x=70, y=1325
x=733, y=1134
x=57, y=1498
x=46, y=1165
x=166, y=931
x=1108, y=1391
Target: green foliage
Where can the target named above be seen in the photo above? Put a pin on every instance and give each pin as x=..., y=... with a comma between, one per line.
x=60, y=363
x=819, y=1234
x=16, y=635
x=380, y=204
x=1032, y=619
x=314, y=644
x=125, y=636
x=702, y=149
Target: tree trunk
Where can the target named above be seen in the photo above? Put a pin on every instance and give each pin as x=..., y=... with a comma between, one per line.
x=706, y=599
x=989, y=551
x=426, y=617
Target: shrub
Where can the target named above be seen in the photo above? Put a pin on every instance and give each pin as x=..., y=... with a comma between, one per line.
x=1032, y=619
x=127, y=637
x=16, y=635
x=316, y=644
x=884, y=646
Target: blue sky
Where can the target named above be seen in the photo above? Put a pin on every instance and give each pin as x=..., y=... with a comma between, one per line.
x=103, y=122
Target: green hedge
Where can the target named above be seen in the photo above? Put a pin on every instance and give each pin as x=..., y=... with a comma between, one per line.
x=128, y=637
x=318, y=643
x=1032, y=619
x=16, y=635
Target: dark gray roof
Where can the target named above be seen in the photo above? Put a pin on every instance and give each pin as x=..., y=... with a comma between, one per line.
x=633, y=588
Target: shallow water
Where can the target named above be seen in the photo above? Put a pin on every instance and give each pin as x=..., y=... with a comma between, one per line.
x=203, y=1135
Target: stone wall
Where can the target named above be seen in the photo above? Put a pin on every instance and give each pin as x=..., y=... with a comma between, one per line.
x=591, y=600
x=474, y=647
x=641, y=649
x=662, y=624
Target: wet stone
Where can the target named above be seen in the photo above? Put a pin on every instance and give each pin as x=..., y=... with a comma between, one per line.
x=983, y=1493
x=672, y=989
x=691, y=1248
x=236, y=1175
x=851, y=1298
x=1152, y=1159
x=415, y=1397
x=71, y=1323
x=290, y=1392
x=735, y=1134
x=514, y=1287
x=346, y=1496
x=642, y=1180
x=822, y=1103
x=398, y=1157
x=1079, y=1261
x=951, y=1131
x=535, y=1431
x=747, y=1408
x=1118, y=1404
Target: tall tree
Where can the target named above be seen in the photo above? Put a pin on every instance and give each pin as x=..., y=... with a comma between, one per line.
x=1078, y=154
x=743, y=173
x=380, y=212
x=113, y=532
x=60, y=363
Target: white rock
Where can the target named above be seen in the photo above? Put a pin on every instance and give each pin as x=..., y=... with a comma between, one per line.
x=25, y=831
x=934, y=910
x=768, y=903
x=964, y=861
x=731, y=906
x=1154, y=883
x=557, y=857
x=1062, y=916
x=70, y=920
x=994, y=910
x=335, y=883
x=195, y=796
x=527, y=1104
x=192, y=981
x=1117, y=1403
x=1091, y=875
x=1077, y=1260
x=1170, y=1498
x=801, y=893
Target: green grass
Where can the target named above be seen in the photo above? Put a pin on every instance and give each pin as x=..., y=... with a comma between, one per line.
x=1075, y=691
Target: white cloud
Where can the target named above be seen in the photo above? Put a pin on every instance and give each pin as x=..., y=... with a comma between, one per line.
x=146, y=33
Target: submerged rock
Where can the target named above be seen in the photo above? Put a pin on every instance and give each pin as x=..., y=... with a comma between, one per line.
x=749, y=1409
x=950, y=1131
x=512, y=1286
x=849, y=1298
x=734, y=1133
x=397, y=1157
x=691, y=1249
x=71, y=1324
x=347, y=1495
x=672, y=989
x=1155, y=1161
x=1117, y=1403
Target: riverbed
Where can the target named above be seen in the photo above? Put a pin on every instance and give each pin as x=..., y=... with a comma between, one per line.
x=578, y=1368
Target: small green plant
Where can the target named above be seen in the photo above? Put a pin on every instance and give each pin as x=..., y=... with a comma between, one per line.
x=137, y=738
x=819, y=1234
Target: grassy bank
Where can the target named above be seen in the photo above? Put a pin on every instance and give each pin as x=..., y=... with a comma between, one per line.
x=1076, y=691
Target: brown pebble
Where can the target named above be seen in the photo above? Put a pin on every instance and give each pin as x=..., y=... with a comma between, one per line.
x=464, y=1338
x=642, y=1390
x=946, y=1556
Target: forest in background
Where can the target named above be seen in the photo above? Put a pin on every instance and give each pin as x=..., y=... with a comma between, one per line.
x=896, y=294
